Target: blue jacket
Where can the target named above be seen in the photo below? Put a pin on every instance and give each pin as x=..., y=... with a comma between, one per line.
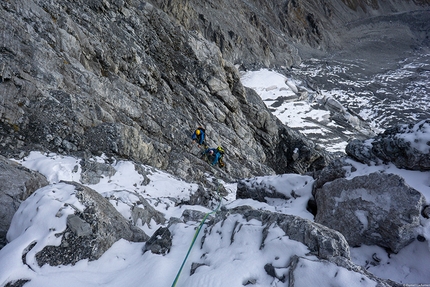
x=216, y=155
x=199, y=138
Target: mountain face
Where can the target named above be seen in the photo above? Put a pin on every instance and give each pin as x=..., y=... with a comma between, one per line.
x=281, y=33
x=127, y=79
x=133, y=79
x=124, y=79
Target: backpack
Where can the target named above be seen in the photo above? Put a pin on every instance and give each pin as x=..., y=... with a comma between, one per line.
x=220, y=150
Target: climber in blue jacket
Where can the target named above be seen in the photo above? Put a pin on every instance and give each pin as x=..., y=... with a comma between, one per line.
x=215, y=155
x=199, y=136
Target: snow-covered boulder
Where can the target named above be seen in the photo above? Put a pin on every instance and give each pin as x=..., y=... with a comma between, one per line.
x=342, y=272
x=407, y=146
x=321, y=241
x=375, y=209
x=67, y=222
x=272, y=249
x=16, y=184
x=285, y=186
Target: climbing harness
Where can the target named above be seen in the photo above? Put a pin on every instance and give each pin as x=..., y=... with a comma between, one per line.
x=195, y=237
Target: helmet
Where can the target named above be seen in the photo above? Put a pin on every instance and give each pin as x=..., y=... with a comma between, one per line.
x=197, y=132
x=211, y=152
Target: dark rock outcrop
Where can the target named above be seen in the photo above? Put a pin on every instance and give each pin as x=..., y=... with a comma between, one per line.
x=287, y=186
x=257, y=192
x=16, y=184
x=160, y=242
x=338, y=168
x=407, y=146
x=376, y=209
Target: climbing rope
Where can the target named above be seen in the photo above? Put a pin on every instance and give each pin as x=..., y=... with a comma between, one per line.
x=195, y=237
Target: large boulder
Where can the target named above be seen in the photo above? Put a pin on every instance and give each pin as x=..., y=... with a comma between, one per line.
x=160, y=242
x=68, y=222
x=375, y=209
x=407, y=146
x=288, y=249
x=321, y=241
x=16, y=184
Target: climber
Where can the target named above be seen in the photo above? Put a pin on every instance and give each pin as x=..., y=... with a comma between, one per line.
x=199, y=137
x=214, y=156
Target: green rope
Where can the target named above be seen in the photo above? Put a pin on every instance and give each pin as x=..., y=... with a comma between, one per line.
x=195, y=238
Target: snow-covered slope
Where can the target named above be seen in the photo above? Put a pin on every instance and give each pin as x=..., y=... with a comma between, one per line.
x=225, y=261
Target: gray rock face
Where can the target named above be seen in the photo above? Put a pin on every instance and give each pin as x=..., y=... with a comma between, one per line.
x=78, y=226
x=16, y=184
x=394, y=145
x=91, y=232
x=376, y=209
x=192, y=215
x=267, y=33
x=124, y=79
x=146, y=214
